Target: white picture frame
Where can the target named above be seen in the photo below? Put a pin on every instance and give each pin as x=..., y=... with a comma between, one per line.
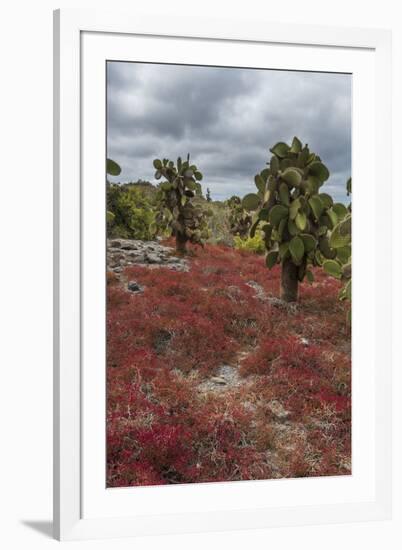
x=83, y=507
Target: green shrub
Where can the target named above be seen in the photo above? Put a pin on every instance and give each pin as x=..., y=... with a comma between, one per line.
x=254, y=244
x=132, y=211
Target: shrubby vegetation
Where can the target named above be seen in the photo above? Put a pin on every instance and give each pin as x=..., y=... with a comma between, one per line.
x=254, y=244
x=130, y=214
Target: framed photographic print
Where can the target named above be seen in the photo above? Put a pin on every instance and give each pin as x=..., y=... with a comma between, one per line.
x=212, y=371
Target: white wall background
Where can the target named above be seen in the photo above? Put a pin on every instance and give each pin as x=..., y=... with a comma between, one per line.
x=26, y=271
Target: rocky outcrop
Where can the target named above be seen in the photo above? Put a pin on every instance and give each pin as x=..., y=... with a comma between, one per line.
x=122, y=253
x=227, y=377
x=289, y=307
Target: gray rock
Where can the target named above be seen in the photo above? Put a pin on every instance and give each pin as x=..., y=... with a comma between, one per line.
x=179, y=267
x=133, y=286
x=218, y=380
x=127, y=245
x=259, y=291
x=116, y=255
x=114, y=263
x=226, y=378
x=135, y=254
x=289, y=307
x=153, y=259
x=126, y=252
x=278, y=410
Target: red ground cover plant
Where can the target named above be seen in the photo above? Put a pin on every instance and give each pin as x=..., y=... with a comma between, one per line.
x=282, y=407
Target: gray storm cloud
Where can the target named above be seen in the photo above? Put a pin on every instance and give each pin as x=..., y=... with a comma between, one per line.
x=226, y=118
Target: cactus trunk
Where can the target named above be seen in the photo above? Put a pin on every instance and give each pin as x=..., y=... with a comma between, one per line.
x=289, y=281
x=181, y=241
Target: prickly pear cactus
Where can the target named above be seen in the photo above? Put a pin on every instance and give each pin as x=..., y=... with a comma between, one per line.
x=112, y=168
x=340, y=240
x=239, y=219
x=294, y=214
x=176, y=209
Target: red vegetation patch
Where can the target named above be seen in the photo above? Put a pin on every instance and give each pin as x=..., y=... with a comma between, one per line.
x=287, y=415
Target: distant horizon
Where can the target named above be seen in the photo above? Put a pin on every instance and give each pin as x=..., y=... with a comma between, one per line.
x=227, y=119
x=345, y=200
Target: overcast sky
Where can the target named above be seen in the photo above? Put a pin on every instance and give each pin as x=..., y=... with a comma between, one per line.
x=226, y=119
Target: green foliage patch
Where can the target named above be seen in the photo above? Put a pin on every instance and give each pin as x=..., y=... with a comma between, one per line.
x=130, y=214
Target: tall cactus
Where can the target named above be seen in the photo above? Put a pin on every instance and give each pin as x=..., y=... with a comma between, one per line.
x=293, y=213
x=239, y=219
x=341, y=241
x=177, y=212
x=112, y=169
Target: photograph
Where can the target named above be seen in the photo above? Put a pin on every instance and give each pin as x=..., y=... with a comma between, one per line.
x=228, y=218
x=188, y=363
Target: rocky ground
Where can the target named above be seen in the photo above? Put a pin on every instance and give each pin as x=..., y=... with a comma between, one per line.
x=122, y=253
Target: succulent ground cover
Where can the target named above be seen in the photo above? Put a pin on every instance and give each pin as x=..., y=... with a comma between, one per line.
x=211, y=377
